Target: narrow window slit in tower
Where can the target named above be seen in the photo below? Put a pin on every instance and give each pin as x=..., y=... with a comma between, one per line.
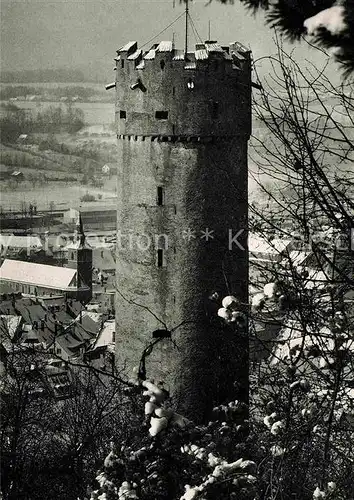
x=190, y=84
x=173, y=90
x=161, y=115
x=122, y=114
x=122, y=63
x=214, y=109
x=160, y=257
x=160, y=195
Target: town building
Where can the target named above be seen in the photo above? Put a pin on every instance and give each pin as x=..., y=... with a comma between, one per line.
x=101, y=353
x=98, y=216
x=263, y=250
x=12, y=246
x=80, y=259
x=40, y=279
x=74, y=281
x=104, y=298
x=70, y=216
x=103, y=258
x=55, y=332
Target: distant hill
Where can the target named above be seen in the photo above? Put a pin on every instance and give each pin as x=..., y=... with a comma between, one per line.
x=92, y=72
x=43, y=76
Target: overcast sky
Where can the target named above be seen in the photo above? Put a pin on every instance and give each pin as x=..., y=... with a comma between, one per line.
x=73, y=33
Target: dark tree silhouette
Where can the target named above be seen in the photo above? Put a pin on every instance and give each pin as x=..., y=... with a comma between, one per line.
x=330, y=24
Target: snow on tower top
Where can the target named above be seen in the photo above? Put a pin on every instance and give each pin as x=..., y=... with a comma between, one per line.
x=135, y=55
x=165, y=46
x=210, y=49
x=164, y=92
x=129, y=47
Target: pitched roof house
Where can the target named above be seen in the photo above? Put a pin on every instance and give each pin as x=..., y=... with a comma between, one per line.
x=39, y=279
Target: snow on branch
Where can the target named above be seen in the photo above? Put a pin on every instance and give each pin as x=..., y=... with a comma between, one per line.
x=330, y=24
x=331, y=19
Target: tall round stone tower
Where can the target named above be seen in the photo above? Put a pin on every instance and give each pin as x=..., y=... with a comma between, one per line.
x=183, y=121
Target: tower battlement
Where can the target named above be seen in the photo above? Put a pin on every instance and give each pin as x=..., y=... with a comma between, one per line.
x=235, y=56
x=169, y=93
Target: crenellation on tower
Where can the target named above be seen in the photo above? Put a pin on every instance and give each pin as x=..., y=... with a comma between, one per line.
x=165, y=92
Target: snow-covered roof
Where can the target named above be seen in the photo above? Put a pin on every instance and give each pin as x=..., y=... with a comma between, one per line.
x=298, y=257
x=280, y=245
x=9, y=324
x=106, y=335
x=316, y=279
x=293, y=337
x=59, y=278
x=179, y=55
x=76, y=245
x=100, y=245
x=201, y=52
x=72, y=212
x=151, y=54
x=212, y=46
x=27, y=242
x=165, y=46
x=258, y=245
x=135, y=55
x=141, y=65
x=128, y=46
x=92, y=307
x=87, y=325
x=30, y=336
